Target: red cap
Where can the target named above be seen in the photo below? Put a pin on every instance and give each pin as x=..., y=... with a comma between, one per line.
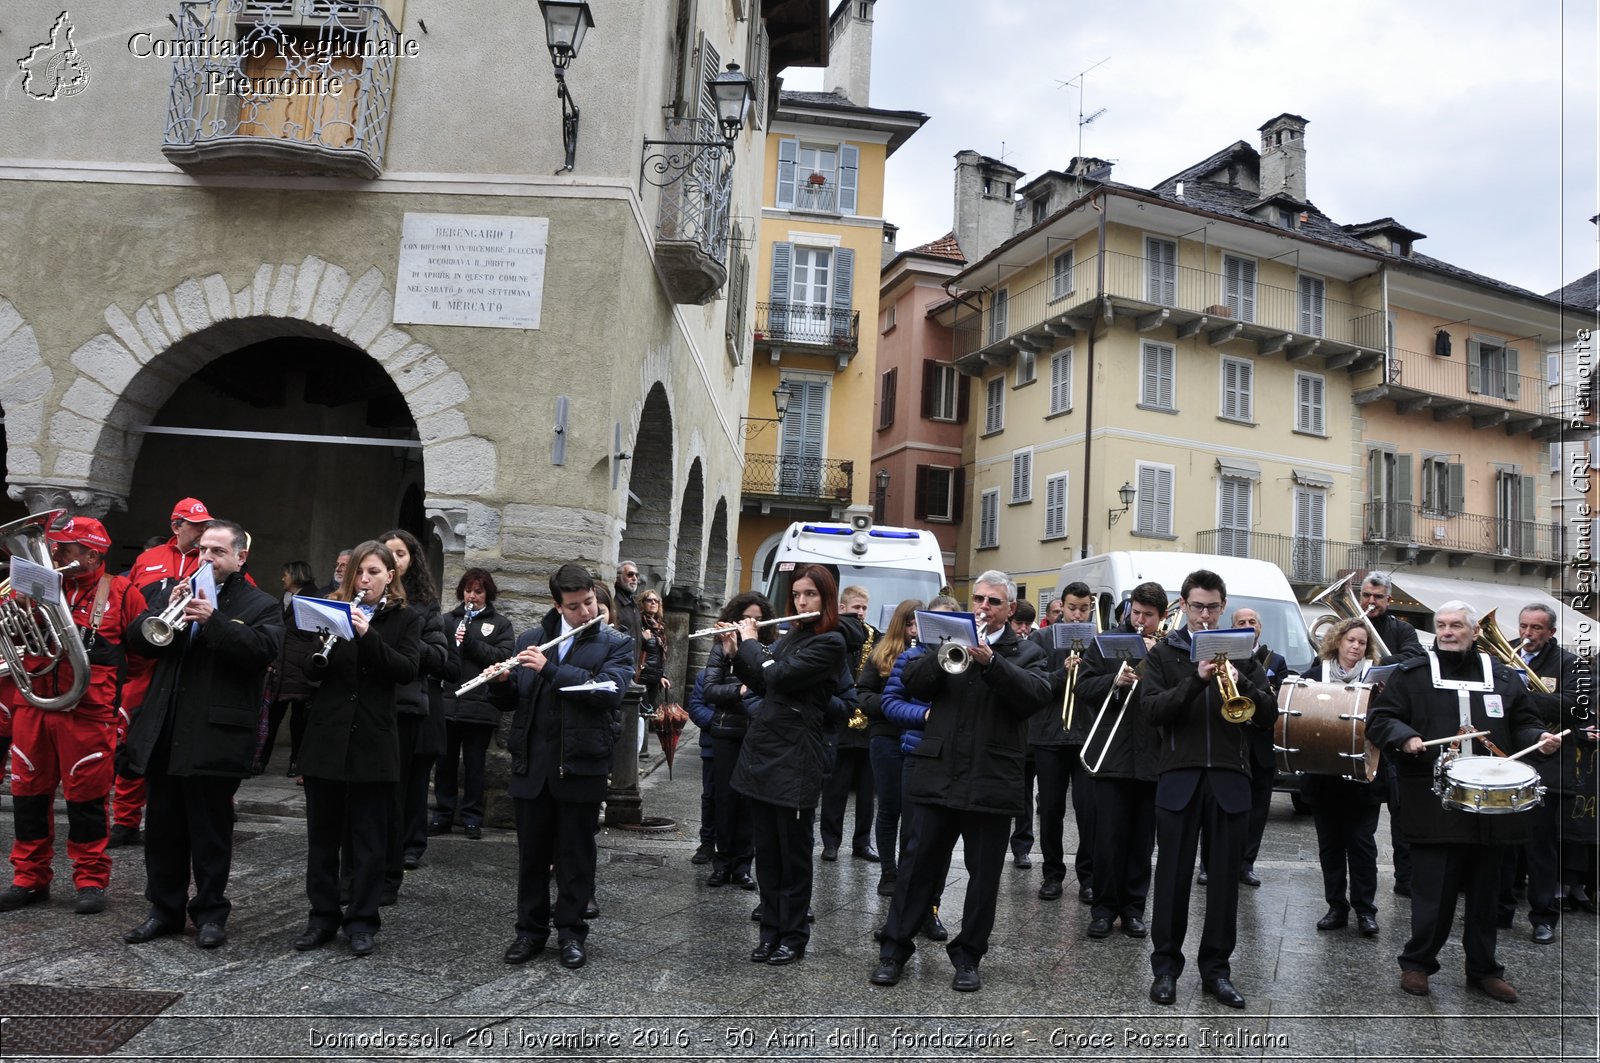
x=192, y=510
x=85, y=531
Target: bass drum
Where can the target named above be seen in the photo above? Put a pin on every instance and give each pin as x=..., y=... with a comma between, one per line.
x=1322, y=730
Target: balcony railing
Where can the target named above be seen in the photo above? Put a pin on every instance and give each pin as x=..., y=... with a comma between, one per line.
x=820, y=196
x=826, y=480
x=1469, y=533
x=1476, y=385
x=800, y=325
x=1138, y=284
x=1302, y=558
x=282, y=86
x=692, y=224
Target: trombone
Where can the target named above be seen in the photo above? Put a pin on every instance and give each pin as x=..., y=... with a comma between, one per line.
x=1162, y=630
x=1074, y=650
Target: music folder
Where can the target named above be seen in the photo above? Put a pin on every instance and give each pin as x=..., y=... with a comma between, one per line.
x=1121, y=645
x=934, y=628
x=323, y=616
x=1067, y=634
x=1234, y=643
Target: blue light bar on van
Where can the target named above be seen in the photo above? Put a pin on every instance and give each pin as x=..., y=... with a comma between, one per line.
x=880, y=534
x=824, y=531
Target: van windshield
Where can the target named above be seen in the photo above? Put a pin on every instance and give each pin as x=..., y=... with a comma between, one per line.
x=884, y=586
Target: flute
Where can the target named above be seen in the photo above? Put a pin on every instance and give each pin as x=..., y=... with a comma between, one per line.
x=760, y=623
x=495, y=671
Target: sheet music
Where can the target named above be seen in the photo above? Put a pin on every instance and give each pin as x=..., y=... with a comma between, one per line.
x=1379, y=674
x=1065, y=634
x=1122, y=645
x=39, y=582
x=594, y=684
x=323, y=616
x=1235, y=643
x=934, y=628
x=205, y=583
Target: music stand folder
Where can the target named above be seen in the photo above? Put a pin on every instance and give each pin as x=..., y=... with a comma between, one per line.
x=935, y=628
x=1067, y=634
x=323, y=616
x=1234, y=643
x=1121, y=646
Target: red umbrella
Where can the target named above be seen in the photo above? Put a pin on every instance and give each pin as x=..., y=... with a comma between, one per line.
x=668, y=725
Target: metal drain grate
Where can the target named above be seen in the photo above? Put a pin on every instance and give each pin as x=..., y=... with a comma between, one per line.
x=46, y=1020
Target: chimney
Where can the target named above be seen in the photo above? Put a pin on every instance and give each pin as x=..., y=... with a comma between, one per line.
x=850, y=51
x=985, y=214
x=1283, y=157
x=891, y=235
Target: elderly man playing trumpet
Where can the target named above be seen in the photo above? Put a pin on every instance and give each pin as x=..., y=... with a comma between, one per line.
x=1453, y=689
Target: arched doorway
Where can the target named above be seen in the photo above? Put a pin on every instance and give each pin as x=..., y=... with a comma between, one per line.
x=646, y=533
x=716, y=578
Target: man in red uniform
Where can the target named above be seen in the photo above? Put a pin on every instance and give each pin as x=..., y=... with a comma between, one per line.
x=156, y=570
x=70, y=748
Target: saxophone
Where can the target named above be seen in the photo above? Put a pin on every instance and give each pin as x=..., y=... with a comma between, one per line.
x=858, y=719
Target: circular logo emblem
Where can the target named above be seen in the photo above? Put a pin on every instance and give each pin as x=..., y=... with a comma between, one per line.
x=67, y=73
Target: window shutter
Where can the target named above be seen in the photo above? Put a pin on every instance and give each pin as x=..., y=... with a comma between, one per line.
x=1061, y=382
x=921, y=505
x=1525, y=527
x=757, y=63
x=1402, y=496
x=844, y=271
x=1312, y=291
x=963, y=397
x=930, y=387
x=788, y=153
x=1457, y=474
x=1474, y=367
x=1164, y=501
x=958, y=495
x=1150, y=378
x=849, y=167
x=1513, y=379
x=1055, y=507
x=886, y=403
x=710, y=67
x=1022, y=476
x=1247, y=290
x=782, y=266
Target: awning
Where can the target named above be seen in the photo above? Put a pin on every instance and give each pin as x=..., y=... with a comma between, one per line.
x=1508, y=599
x=1240, y=468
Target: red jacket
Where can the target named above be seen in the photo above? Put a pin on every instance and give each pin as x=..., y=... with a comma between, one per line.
x=164, y=562
x=124, y=603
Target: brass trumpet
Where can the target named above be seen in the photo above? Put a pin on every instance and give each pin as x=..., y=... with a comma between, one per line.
x=1236, y=708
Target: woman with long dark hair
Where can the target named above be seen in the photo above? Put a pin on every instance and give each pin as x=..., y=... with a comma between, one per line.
x=351, y=756
x=483, y=638
x=421, y=708
x=781, y=762
x=732, y=704
x=883, y=738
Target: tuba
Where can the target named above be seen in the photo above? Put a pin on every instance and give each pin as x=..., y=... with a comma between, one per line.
x=1340, y=596
x=39, y=629
x=1494, y=643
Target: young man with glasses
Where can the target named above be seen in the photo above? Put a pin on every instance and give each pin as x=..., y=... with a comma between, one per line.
x=1203, y=783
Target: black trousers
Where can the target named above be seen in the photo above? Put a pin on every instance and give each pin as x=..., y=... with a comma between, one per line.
x=852, y=774
x=1542, y=853
x=1397, y=840
x=1060, y=769
x=1261, y=779
x=1178, y=836
x=1022, y=833
x=298, y=713
x=408, y=821
x=1439, y=873
x=458, y=777
x=708, y=798
x=735, y=848
x=354, y=814
x=559, y=832
x=783, y=841
x=1347, y=837
x=188, y=829
x=1124, y=839
x=922, y=876
x=888, y=771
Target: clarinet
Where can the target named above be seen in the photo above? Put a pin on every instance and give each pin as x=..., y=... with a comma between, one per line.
x=321, y=656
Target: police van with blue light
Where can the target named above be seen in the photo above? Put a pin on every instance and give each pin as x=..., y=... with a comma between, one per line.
x=891, y=564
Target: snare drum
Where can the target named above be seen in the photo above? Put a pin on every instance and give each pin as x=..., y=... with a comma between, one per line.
x=1322, y=730
x=1492, y=786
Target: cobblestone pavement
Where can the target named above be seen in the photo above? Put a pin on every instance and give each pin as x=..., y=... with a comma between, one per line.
x=668, y=978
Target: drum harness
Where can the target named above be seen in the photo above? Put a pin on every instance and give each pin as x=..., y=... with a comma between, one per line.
x=1464, y=689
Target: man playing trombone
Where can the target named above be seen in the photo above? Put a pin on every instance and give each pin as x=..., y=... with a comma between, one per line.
x=1398, y=636
x=194, y=736
x=1056, y=742
x=1203, y=783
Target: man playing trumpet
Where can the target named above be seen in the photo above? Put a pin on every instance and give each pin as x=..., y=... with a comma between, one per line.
x=1055, y=740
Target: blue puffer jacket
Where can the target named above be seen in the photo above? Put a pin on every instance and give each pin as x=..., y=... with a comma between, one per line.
x=901, y=709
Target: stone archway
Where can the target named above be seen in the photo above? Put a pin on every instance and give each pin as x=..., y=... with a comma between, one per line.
x=647, y=528
x=716, y=578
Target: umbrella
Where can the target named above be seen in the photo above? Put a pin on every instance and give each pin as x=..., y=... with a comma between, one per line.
x=668, y=725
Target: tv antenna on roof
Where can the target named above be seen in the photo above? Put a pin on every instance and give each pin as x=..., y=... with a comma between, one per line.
x=1083, y=119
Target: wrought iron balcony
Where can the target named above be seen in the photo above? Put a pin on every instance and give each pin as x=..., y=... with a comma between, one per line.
x=798, y=326
x=281, y=86
x=1453, y=387
x=1302, y=558
x=1409, y=525
x=824, y=481
x=692, y=220
x=820, y=196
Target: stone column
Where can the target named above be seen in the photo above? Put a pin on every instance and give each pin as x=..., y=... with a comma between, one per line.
x=624, y=805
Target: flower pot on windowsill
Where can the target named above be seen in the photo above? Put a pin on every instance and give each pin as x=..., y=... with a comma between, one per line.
x=817, y=180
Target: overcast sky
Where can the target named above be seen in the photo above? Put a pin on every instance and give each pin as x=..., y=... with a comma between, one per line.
x=1470, y=121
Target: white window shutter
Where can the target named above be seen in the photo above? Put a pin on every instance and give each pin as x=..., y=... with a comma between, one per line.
x=849, y=168
x=788, y=154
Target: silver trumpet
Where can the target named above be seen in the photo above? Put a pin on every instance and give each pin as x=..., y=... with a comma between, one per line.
x=161, y=629
x=953, y=657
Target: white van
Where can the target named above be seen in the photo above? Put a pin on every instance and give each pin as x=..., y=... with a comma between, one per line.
x=893, y=564
x=1258, y=585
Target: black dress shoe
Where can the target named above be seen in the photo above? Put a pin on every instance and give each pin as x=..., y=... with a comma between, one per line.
x=572, y=955
x=867, y=853
x=361, y=944
x=784, y=955
x=438, y=826
x=717, y=879
x=473, y=831
x=702, y=855
x=1223, y=990
x=1163, y=990
x=1402, y=889
x=1086, y=893
x=755, y=914
x=1050, y=890
x=525, y=948
x=314, y=938
x=591, y=910
x=1248, y=877
x=411, y=861
x=1134, y=927
x=1368, y=925
x=1544, y=934
x=762, y=952
x=887, y=973
x=1099, y=927
x=1579, y=896
x=744, y=881
x=830, y=853
x=1022, y=861
x=1336, y=919
x=149, y=930
x=933, y=929
x=1204, y=878
x=966, y=980
x=211, y=936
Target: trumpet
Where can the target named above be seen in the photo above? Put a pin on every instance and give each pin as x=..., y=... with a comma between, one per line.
x=730, y=629
x=495, y=671
x=160, y=630
x=953, y=657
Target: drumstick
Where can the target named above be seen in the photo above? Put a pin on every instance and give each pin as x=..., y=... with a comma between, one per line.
x=1455, y=738
x=1530, y=749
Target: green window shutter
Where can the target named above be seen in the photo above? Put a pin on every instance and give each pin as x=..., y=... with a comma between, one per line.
x=1403, y=496
x=1458, y=487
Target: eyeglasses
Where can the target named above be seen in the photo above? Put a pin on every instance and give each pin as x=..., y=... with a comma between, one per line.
x=1206, y=607
x=985, y=599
